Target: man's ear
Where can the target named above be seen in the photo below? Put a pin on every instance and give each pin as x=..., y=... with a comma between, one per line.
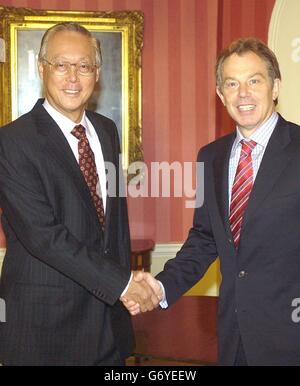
x=220, y=95
x=98, y=70
x=41, y=70
x=276, y=88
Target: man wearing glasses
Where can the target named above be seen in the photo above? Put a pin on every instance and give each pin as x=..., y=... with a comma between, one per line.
x=68, y=249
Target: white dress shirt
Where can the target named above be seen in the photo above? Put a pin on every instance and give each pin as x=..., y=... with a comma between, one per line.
x=67, y=125
x=261, y=136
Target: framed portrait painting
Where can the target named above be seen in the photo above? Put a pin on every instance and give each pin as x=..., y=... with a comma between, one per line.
x=117, y=95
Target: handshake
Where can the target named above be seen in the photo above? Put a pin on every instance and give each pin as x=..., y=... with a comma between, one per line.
x=143, y=294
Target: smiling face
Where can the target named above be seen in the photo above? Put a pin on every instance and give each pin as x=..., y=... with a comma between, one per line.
x=69, y=93
x=247, y=91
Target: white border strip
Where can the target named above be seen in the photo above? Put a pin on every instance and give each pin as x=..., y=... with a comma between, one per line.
x=2, y=253
x=274, y=23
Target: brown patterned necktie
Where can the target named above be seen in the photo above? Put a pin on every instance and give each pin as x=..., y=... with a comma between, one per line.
x=88, y=168
x=241, y=190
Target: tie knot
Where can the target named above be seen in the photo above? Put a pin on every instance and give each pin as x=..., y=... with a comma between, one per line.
x=247, y=146
x=79, y=132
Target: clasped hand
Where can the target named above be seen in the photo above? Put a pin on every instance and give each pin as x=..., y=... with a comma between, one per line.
x=143, y=294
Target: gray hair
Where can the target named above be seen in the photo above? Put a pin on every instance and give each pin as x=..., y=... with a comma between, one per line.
x=74, y=27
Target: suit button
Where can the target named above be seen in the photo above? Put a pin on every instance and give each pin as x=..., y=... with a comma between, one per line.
x=106, y=251
x=230, y=241
x=242, y=274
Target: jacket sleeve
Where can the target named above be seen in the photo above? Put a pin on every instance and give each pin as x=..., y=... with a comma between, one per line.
x=197, y=253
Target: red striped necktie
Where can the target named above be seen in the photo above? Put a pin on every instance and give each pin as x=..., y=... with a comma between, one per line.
x=241, y=189
x=88, y=168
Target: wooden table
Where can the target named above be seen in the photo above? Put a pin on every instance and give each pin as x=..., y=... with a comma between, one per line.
x=141, y=254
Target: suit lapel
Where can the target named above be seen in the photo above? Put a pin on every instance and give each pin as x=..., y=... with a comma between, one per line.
x=108, y=155
x=221, y=166
x=104, y=137
x=279, y=151
x=56, y=145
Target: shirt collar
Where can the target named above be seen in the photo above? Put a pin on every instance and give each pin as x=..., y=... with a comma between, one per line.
x=262, y=135
x=65, y=124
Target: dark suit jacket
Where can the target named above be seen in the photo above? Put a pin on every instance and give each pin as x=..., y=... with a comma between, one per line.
x=61, y=276
x=260, y=281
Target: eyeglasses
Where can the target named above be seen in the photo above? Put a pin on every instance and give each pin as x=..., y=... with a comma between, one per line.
x=63, y=68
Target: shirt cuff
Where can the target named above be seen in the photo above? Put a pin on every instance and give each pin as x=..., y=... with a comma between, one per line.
x=126, y=288
x=163, y=303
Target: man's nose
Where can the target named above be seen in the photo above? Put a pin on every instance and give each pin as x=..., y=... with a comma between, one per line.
x=243, y=89
x=73, y=73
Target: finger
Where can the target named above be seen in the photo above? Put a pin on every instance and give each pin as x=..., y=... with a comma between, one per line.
x=126, y=305
x=155, y=301
x=152, y=282
x=131, y=304
x=145, y=301
x=135, y=312
x=150, y=300
x=155, y=285
x=138, y=276
x=135, y=308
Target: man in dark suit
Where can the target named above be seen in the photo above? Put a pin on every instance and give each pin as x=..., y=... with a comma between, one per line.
x=68, y=248
x=250, y=217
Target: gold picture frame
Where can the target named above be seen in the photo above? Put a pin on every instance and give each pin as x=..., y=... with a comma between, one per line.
x=121, y=37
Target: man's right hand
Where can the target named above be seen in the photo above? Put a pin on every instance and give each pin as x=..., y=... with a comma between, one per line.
x=144, y=293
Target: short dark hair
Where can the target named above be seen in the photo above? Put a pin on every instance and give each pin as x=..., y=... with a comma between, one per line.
x=242, y=46
x=69, y=26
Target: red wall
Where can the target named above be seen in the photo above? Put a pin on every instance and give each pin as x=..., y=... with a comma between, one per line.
x=240, y=18
x=179, y=106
